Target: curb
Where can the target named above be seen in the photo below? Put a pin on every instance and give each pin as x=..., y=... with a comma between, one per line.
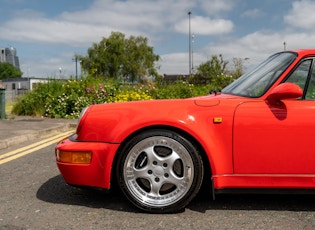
x=9, y=142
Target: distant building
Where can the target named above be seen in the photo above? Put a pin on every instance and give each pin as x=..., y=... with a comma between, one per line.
x=9, y=55
x=22, y=83
x=17, y=86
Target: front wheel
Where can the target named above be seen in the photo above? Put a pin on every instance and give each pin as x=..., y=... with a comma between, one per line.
x=160, y=171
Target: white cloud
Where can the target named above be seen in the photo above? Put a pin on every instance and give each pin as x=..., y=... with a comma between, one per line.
x=41, y=30
x=147, y=18
x=214, y=7
x=133, y=17
x=253, y=13
x=163, y=21
x=205, y=26
x=175, y=63
x=257, y=46
x=301, y=15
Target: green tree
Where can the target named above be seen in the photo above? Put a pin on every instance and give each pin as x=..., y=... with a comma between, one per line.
x=117, y=57
x=214, y=72
x=9, y=71
x=212, y=68
x=238, y=68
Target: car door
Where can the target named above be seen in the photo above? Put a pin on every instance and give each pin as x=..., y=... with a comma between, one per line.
x=280, y=139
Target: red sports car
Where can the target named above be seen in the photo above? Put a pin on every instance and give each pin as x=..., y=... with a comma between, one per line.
x=257, y=133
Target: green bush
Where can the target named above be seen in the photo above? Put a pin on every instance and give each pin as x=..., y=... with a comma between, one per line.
x=33, y=102
x=77, y=95
x=65, y=99
x=179, y=89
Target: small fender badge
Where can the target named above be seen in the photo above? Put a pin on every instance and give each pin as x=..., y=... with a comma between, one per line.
x=217, y=120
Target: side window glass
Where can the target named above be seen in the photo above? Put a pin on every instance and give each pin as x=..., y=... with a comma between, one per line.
x=299, y=75
x=310, y=93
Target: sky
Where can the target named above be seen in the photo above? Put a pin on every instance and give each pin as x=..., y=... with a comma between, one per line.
x=48, y=34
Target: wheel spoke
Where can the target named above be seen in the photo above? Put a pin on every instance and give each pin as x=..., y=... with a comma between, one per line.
x=173, y=179
x=141, y=173
x=151, y=154
x=172, y=158
x=155, y=189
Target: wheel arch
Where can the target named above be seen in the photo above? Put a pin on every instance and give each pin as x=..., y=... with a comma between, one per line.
x=191, y=138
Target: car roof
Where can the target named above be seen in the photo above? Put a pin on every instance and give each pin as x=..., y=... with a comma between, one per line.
x=304, y=51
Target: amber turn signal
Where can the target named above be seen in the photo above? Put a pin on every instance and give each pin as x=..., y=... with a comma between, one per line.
x=74, y=157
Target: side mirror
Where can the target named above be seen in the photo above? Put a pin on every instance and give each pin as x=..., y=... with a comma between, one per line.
x=284, y=91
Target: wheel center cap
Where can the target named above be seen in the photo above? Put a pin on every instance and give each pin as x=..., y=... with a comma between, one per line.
x=158, y=171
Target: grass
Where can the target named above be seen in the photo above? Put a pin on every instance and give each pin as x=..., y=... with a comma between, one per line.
x=8, y=108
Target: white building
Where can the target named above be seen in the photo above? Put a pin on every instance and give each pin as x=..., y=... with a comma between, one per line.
x=17, y=86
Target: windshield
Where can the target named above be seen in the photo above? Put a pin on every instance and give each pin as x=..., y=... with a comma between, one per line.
x=258, y=81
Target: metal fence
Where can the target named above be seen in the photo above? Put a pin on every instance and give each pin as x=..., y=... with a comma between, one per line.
x=12, y=95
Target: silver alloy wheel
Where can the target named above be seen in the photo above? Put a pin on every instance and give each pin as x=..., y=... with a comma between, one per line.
x=158, y=171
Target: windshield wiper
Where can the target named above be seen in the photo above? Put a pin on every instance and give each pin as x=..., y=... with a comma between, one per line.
x=215, y=91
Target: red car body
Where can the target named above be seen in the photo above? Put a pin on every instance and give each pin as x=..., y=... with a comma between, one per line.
x=246, y=141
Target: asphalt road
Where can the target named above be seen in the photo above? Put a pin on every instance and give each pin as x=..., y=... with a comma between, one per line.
x=33, y=195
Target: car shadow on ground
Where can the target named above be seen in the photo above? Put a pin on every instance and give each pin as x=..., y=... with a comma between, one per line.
x=56, y=191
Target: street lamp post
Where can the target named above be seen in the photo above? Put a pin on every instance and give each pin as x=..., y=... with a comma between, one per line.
x=76, y=67
x=60, y=72
x=189, y=13
x=192, y=52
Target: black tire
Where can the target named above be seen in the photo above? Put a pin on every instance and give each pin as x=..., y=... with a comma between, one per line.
x=159, y=171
